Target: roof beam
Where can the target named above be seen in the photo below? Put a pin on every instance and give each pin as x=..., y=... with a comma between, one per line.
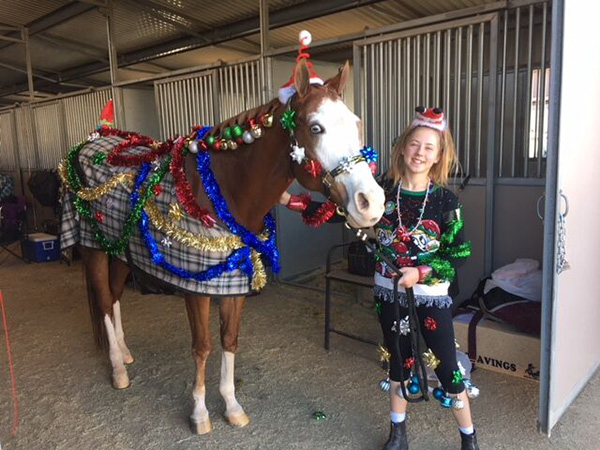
x=286, y=16
x=53, y=19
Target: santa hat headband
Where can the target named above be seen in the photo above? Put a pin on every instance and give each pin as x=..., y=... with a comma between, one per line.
x=429, y=117
x=288, y=89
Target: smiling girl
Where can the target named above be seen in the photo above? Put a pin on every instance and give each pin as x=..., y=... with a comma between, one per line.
x=421, y=232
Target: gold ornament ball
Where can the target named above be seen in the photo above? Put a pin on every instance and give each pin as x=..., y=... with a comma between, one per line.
x=232, y=145
x=267, y=120
x=256, y=131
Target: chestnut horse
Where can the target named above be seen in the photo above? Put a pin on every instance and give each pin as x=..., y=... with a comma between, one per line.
x=251, y=180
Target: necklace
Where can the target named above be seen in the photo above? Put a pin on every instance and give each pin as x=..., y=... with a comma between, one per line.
x=422, y=209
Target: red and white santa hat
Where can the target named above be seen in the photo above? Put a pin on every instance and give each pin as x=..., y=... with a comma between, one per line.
x=429, y=117
x=288, y=89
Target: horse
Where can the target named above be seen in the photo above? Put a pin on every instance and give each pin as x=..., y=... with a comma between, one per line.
x=247, y=181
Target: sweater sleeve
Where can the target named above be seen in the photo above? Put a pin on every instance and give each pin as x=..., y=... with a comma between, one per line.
x=453, y=249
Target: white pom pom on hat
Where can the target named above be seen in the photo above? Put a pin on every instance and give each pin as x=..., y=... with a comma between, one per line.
x=288, y=89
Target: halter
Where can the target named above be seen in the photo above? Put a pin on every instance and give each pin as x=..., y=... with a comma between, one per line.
x=328, y=177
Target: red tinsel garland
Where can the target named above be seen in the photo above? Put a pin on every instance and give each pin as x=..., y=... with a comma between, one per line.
x=321, y=215
x=184, y=190
x=157, y=149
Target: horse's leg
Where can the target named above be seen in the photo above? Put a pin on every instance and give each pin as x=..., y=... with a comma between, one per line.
x=230, y=311
x=97, y=275
x=198, y=312
x=118, y=276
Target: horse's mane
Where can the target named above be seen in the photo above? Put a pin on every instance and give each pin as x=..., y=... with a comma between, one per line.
x=244, y=116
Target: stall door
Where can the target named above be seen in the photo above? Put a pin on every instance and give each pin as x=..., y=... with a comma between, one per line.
x=571, y=298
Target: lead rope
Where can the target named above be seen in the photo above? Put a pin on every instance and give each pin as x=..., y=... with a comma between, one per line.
x=413, y=321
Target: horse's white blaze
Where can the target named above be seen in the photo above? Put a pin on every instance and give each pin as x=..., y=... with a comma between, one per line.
x=341, y=139
x=119, y=372
x=120, y=335
x=227, y=386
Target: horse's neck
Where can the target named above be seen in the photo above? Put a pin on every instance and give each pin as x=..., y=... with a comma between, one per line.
x=252, y=177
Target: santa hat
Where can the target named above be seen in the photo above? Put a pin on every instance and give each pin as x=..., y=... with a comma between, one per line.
x=107, y=116
x=288, y=89
x=429, y=117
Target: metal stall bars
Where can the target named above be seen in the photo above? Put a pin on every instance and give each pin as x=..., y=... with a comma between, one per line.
x=8, y=144
x=209, y=97
x=445, y=65
x=524, y=95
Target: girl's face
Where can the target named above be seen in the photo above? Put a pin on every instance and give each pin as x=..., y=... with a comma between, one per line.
x=422, y=151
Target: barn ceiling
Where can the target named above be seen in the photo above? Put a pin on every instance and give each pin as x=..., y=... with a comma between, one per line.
x=69, y=46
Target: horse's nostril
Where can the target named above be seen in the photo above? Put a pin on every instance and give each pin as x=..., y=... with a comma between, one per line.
x=363, y=202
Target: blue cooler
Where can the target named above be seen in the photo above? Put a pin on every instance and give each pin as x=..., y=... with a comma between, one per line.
x=41, y=247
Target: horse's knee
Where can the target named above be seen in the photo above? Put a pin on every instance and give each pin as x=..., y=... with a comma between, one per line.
x=229, y=343
x=201, y=353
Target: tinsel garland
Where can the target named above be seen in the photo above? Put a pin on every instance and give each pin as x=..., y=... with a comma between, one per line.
x=443, y=269
x=157, y=149
x=183, y=189
x=189, y=239
x=452, y=231
x=91, y=194
x=325, y=212
x=268, y=249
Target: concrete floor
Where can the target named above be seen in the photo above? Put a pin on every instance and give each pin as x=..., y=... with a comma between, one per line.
x=283, y=376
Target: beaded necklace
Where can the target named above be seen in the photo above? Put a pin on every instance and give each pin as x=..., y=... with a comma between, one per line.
x=422, y=209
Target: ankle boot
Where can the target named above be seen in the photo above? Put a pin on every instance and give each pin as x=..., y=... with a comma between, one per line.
x=398, y=439
x=468, y=441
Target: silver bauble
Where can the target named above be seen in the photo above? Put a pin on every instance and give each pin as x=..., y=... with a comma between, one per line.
x=193, y=147
x=247, y=137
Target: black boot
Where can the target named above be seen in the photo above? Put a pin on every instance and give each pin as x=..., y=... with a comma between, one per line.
x=398, y=439
x=468, y=441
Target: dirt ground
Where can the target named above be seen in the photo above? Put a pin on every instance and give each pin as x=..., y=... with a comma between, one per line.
x=283, y=376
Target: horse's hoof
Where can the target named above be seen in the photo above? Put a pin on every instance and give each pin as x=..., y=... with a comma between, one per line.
x=200, y=427
x=122, y=383
x=238, y=420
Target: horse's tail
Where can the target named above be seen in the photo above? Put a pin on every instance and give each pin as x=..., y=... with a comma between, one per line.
x=97, y=317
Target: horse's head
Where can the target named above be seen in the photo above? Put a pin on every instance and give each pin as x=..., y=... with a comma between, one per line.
x=331, y=136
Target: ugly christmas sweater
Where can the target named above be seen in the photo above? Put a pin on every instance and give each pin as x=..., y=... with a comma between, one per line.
x=432, y=237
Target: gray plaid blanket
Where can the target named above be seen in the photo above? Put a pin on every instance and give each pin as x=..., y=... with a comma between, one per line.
x=114, y=208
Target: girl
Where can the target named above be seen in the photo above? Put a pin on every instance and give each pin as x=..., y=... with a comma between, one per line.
x=421, y=232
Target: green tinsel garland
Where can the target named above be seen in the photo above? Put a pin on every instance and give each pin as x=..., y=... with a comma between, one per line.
x=83, y=207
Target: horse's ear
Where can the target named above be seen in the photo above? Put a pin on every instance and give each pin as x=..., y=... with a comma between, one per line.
x=301, y=78
x=339, y=81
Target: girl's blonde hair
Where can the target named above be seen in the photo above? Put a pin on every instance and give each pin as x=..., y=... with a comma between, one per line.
x=440, y=171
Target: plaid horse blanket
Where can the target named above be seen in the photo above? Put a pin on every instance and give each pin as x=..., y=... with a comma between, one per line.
x=181, y=239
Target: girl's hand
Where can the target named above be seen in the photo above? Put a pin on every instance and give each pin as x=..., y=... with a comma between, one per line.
x=410, y=276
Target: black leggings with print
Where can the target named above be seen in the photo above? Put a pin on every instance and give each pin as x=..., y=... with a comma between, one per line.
x=437, y=330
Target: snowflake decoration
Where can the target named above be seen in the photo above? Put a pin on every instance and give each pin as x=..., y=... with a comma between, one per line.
x=166, y=242
x=298, y=153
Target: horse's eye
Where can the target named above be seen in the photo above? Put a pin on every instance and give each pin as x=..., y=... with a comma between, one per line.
x=316, y=128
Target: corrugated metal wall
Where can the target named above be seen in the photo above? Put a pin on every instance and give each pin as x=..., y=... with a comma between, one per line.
x=45, y=131
x=8, y=146
x=208, y=97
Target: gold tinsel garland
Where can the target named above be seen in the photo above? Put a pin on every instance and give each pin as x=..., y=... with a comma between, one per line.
x=259, y=279
x=92, y=194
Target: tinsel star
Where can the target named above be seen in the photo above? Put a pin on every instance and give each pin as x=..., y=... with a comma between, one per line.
x=404, y=326
x=297, y=153
x=456, y=377
x=384, y=354
x=430, y=359
x=155, y=145
x=430, y=324
x=369, y=154
x=409, y=362
x=175, y=212
x=99, y=158
x=288, y=120
x=166, y=242
x=93, y=136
